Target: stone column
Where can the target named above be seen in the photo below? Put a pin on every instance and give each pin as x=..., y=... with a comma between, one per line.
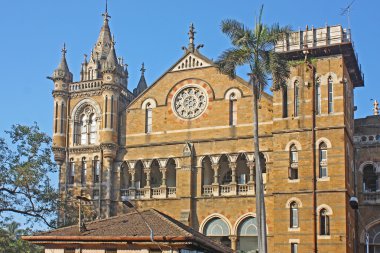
x=233, y=178
x=233, y=172
x=251, y=182
x=215, y=168
x=163, y=172
x=233, y=239
x=133, y=178
x=147, y=172
x=251, y=166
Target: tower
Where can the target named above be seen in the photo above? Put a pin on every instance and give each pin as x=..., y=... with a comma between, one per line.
x=87, y=123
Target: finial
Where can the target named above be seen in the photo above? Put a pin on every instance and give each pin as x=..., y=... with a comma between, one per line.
x=375, y=108
x=113, y=39
x=105, y=14
x=142, y=69
x=85, y=58
x=64, y=51
x=191, y=37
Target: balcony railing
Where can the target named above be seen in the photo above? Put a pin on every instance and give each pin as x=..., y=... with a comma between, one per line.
x=172, y=192
x=86, y=85
x=147, y=193
x=228, y=190
x=207, y=190
x=371, y=197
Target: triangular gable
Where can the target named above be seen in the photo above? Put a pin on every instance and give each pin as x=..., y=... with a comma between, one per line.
x=190, y=61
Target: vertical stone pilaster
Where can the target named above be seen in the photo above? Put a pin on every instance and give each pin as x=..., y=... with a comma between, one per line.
x=233, y=239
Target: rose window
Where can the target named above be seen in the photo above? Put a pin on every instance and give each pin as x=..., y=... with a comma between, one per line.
x=190, y=102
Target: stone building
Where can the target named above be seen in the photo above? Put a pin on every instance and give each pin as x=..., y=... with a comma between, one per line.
x=367, y=158
x=184, y=145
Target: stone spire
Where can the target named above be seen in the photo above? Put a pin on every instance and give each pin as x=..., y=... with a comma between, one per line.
x=104, y=42
x=62, y=71
x=111, y=61
x=142, y=83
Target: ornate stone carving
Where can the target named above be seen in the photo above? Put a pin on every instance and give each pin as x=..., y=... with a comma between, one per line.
x=86, y=93
x=190, y=102
x=81, y=149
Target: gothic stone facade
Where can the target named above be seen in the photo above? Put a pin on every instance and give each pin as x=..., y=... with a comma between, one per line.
x=185, y=146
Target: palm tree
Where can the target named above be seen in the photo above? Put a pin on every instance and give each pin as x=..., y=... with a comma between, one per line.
x=255, y=48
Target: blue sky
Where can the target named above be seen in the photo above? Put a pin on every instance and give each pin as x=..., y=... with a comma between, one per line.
x=150, y=31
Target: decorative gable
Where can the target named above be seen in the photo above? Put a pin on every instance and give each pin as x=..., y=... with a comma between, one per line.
x=191, y=61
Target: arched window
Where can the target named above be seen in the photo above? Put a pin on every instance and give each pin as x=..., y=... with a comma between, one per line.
x=318, y=98
x=285, y=102
x=112, y=105
x=96, y=169
x=83, y=130
x=148, y=118
x=83, y=173
x=293, y=160
x=62, y=117
x=296, y=98
x=93, y=130
x=247, y=235
x=218, y=230
x=71, y=173
x=86, y=127
x=330, y=95
x=323, y=172
x=56, y=118
x=374, y=238
x=105, y=112
x=369, y=178
x=294, y=215
x=233, y=109
x=324, y=221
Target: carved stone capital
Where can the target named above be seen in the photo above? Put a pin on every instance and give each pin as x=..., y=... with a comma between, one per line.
x=60, y=93
x=109, y=150
x=59, y=154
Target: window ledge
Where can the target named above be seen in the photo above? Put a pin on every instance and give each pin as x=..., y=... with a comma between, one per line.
x=324, y=237
x=293, y=180
x=294, y=229
x=322, y=179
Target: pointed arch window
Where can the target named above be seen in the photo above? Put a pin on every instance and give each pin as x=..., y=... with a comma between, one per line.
x=62, y=117
x=96, y=169
x=148, y=118
x=71, y=174
x=318, y=98
x=83, y=130
x=83, y=173
x=86, y=127
x=330, y=95
x=112, y=105
x=324, y=222
x=369, y=178
x=293, y=160
x=296, y=98
x=285, y=102
x=294, y=215
x=233, y=109
x=56, y=118
x=323, y=172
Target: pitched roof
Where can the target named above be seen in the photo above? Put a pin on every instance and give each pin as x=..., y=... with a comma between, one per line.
x=132, y=227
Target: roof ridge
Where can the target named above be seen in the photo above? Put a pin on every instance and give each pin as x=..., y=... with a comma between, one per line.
x=168, y=219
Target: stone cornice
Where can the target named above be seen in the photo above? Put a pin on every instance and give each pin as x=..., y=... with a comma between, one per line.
x=60, y=93
x=86, y=93
x=84, y=149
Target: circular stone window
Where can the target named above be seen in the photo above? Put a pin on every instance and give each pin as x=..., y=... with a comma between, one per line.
x=190, y=102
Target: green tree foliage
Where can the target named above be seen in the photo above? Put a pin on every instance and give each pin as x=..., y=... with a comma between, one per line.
x=25, y=167
x=10, y=241
x=255, y=48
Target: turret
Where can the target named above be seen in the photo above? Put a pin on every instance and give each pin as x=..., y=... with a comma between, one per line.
x=61, y=78
x=141, y=86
